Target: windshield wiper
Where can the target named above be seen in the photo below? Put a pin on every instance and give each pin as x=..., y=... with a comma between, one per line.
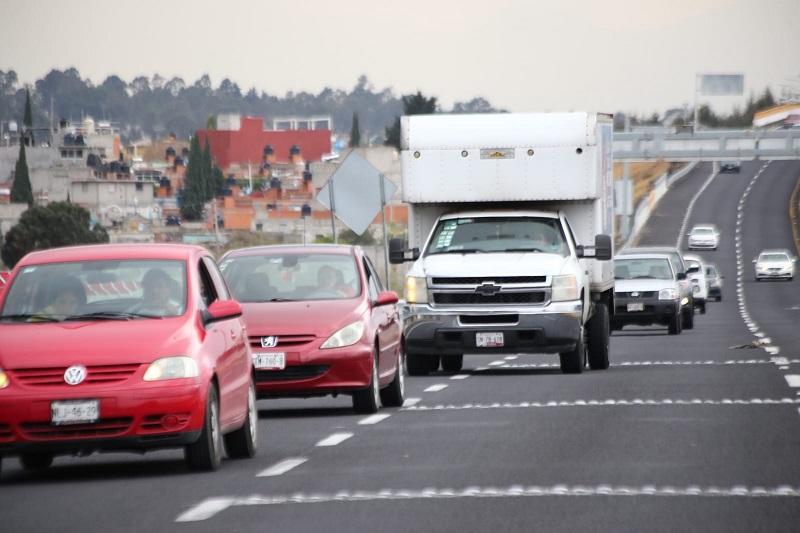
x=464, y=251
x=35, y=317
x=110, y=315
x=281, y=300
x=523, y=250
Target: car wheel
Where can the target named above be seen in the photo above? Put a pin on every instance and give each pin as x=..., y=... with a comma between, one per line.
x=703, y=308
x=395, y=394
x=418, y=365
x=675, y=324
x=688, y=319
x=452, y=363
x=572, y=362
x=243, y=443
x=367, y=400
x=598, y=338
x=36, y=461
x=206, y=453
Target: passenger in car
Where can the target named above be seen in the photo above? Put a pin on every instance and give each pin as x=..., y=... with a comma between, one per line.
x=68, y=296
x=157, y=298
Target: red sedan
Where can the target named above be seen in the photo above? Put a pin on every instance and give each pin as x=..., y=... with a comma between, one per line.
x=319, y=323
x=123, y=347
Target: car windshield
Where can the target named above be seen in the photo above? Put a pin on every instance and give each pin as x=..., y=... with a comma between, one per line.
x=691, y=263
x=642, y=268
x=773, y=257
x=97, y=290
x=498, y=234
x=703, y=231
x=280, y=277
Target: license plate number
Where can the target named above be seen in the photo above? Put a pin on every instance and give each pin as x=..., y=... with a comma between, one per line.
x=269, y=361
x=489, y=340
x=75, y=412
x=637, y=306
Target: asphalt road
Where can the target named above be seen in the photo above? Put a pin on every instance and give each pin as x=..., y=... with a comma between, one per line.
x=686, y=433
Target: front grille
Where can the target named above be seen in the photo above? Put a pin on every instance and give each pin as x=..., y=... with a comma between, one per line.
x=502, y=298
x=284, y=341
x=109, y=427
x=291, y=372
x=495, y=279
x=645, y=294
x=95, y=375
x=489, y=319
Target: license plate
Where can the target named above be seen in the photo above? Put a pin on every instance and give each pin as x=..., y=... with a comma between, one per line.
x=636, y=306
x=269, y=361
x=489, y=340
x=75, y=412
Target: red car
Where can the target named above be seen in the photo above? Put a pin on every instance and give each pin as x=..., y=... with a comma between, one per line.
x=123, y=347
x=319, y=323
x=4, y=280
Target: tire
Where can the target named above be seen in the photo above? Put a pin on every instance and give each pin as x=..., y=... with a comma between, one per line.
x=675, y=324
x=367, y=401
x=688, y=319
x=433, y=363
x=599, y=338
x=703, y=308
x=452, y=363
x=36, y=461
x=243, y=443
x=206, y=453
x=616, y=326
x=417, y=365
x=395, y=393
x=572, y=362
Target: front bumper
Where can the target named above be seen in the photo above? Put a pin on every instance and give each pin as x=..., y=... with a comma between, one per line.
x=702, y=245
x=780, y=274
x=135, y=419
x=655, y=311
x=553, y=328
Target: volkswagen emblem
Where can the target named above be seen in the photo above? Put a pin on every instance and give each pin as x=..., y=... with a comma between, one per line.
x=75, y=374
x=269, y=342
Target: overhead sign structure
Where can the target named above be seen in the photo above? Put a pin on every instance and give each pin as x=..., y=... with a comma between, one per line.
x=721, y=84
x=353, y=193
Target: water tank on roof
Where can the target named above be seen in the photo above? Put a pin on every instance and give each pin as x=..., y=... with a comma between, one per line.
x=307, y=175
x=179, y=162
x=93, y=161
x=227, y=192
x=79, y=140
x=274, y=183
x=185, y=152
x=170, y=152
x=294, y=150
x=230, y=180
x=305, y=211
x=164, y=182
x=268, y=150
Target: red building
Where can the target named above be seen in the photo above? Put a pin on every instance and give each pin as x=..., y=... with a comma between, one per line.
x=247, y=143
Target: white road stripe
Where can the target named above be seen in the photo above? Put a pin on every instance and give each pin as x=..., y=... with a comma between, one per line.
x=373, y=419
x=793, y=380
x=497, y=363
x=282, y=467
x=436, y=388
x=411, y=401
x=638, y=402
x=205, y=509
x=510, y=357
x=460, y=376
x=334, y=439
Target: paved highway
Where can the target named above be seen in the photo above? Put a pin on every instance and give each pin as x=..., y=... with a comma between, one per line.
x=686, y=433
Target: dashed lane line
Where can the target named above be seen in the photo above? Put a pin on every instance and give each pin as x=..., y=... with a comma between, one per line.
x=727, y=362
x=334, y=439
x=637, y=402
x=436, y=388
x=278, y=469
x=411, y=401
x=459, y=376
x=212, y=506
x=373, y=419
x=793, y=380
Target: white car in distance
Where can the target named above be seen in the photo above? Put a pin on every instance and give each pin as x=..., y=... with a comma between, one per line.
x=703, y=237
x=774, y=264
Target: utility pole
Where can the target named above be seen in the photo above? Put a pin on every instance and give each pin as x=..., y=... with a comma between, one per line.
x=383, y=223
x=333, y=210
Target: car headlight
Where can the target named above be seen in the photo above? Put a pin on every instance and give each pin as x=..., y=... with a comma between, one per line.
x=667, y=294
x=347, y=336
x=416, y=290
x=684, y=301
x=172, y=368
x=4, y=381
x=564, y=288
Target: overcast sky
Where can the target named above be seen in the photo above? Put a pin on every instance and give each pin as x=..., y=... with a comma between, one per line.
x=603, y=55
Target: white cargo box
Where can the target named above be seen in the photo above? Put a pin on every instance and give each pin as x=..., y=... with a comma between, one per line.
x=506, y=157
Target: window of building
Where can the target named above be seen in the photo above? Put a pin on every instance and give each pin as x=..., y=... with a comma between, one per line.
x=84, y=187
x=139, y=186
x=259, y=226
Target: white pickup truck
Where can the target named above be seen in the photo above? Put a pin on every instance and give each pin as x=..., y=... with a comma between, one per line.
x=510, y=225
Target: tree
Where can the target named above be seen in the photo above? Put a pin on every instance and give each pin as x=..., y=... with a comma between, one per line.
x=192, y=194
x=413, y=104
x=209, y=191
x=27, y=120
x=355, y=132
x=42, y=227
x=21, y=191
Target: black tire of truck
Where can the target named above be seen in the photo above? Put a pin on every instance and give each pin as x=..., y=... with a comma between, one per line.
x=452, y=363
x=599, y=338
x=418, y=365
x=675, y=325
x=572, y=362
x=688, y=318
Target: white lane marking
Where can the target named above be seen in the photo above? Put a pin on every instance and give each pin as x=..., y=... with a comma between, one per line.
x=513, y=491
x=436, y=388
x=334, y=439
x=772, y=350
x=783, y=367
x=779, y=360
x=497, y=363
x=510, y=357
x=691, y=206
x=206, y=509
x=411, y=401
x=793, y=380
x=637, y=402
x=727, y=362
x=373, y=419
x=460, y=376
x=278, y=469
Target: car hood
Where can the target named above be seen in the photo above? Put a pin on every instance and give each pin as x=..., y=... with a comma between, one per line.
x=45, y=344
x=774, y=264
x=494, y=264
x=630, y=285
x=320, y=318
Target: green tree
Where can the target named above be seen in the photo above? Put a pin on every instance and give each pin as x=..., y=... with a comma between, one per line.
x=21, y=191
x=209, y=191
x=27, y=120
x=42, y=227
x=192, y=199
x=355, y=132
x=413, y=104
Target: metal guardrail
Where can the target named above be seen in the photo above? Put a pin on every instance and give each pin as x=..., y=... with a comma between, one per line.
x=719, y=145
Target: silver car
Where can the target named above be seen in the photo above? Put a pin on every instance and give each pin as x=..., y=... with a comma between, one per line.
x=774, y=264
x=703, y=237
x=695, y=271
x=714, y=280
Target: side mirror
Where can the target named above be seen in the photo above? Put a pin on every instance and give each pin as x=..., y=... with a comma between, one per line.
x=222, y=310
x=386, y=298
x=397, y=252
x=681, y=276
x=602, y=247
x=755, y=260
x=692, y=270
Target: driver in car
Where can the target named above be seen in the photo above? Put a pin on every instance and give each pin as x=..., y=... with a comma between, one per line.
x=157, y=298
x=331, y=280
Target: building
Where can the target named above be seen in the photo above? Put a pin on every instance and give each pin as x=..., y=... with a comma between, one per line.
x=241, y=141
x=114, y=201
